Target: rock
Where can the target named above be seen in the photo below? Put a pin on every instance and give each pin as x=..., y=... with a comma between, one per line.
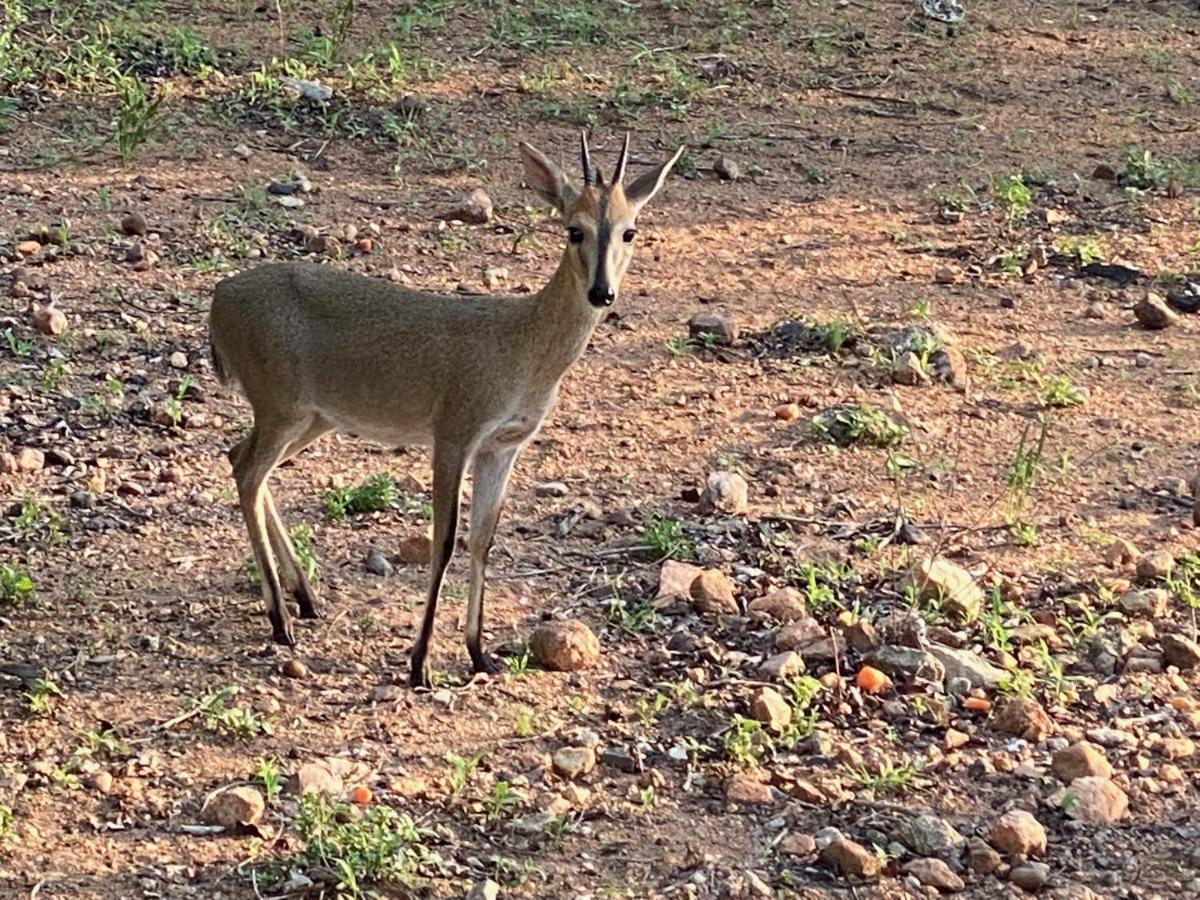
x=415, y=550
x=1023, y=718
x=726, y=492
x=862, y=636
x=565, y=646
x=313, y=91
x=30, y=459
x=233, y=807
x=787, y=412
x=981, y=858
x=1094, y=801
x=317, y=778
x=931, y=836
x=49, y=319
x=133, y=223
x=851, y=859
x=716, y=327
x=571, y=762
x=377, y=564
x=1153, y=312
x=1029, y=876
x=908, y=369
x=1080, y=760
x=950, y=367
x=621, y=759
x=1149, y=602
x=934, y=873
x=745, y=790
x=1180, y=652
x=799, y=634
x=551, y=489
x=783, y=666
x=484, y=890
x=970, y=666
x=711, y=594
x=907, y=662
x=945, y=275
x=494, y=277
x=803, y=845
x=939, y=580
x=476, y=209
x=1155, y=565
x=727, y=169
x=675, y=581
x=294, y=668
x=785, y=604
x=1176, y=748
x=101, y=782
x=28, y=248
x=769, y=707
x=1018, y=833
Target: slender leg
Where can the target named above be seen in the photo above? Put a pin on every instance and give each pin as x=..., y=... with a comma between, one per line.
x=290, y=570
x=448, y=465
x=491, y=469
x=253, y=459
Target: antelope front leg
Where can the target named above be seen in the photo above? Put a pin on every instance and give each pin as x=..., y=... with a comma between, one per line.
x=491, y=470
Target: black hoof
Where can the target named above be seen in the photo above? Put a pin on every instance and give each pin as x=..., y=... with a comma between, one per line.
x=310, y=606
x=484, y=663
x=281, y=630
x=420, y=678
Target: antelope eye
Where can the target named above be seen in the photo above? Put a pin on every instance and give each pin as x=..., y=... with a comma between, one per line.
x=575, y=235
x=629, y=233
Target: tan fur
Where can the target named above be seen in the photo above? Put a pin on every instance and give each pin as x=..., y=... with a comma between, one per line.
x=315, y=349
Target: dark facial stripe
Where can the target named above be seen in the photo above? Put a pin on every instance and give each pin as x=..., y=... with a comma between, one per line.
x=603, y=236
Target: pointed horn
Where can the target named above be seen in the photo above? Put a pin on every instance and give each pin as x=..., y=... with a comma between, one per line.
x=585, y=156
x=619, y=171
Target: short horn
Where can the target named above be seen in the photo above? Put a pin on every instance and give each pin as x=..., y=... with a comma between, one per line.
x=585, y=157
x=619, y=171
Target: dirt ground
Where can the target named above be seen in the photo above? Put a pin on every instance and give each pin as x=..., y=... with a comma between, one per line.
x=1003, y=192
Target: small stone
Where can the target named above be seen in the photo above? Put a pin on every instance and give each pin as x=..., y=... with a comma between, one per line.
x=970, y=666
x=788, y=412
x=294, y=668
x=769, y=707
x=178, y=360
x=1080, y=760
x=727, y=169
x=1180, y=651
x=1104, y=172
x=726, y=492
x=134, y=223
x=484, y=890
x=28, y=248
x=1018, y=833
x=1155, y=565
x=415, y=550
x=862, y=636
x=934, y=873
x=939, y=580
x=717, y=327
x=799, y=634
x=377, y=564
x=782, y=666
x=1120, y=553
x=1176, y=748
x=494, y=277
x=242, y=151
x=551, y=489
x=1149, y=602
x=621, y=759
x=981, y=858
x=712, y=594
x=675, y=581
x=955, y=739
x=1094, y=801
x=908, y=369
x=317, y=778
x=931, y=836
x=1030, y=876
x=907, y=663
x=233, y=807
x=564, y=646
x=1095, y=310
x=1023, y=718
x=571, y=762
x=785, y=604
x=101, y=782
x=49, y=319
x=1153, y=312
x=802, y=845
x=30, y=459
x=851, y=859
x=745, y=790
x=945, y=275
x=476, y=209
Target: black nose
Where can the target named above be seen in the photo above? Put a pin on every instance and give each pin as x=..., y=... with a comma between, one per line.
x=601, y=296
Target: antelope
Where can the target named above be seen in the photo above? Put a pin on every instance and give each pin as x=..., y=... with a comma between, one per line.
x=314, y=350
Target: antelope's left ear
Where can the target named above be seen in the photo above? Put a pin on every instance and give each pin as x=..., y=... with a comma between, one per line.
x=649, y=183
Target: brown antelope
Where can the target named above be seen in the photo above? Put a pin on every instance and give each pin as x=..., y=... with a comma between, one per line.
x=316, y=350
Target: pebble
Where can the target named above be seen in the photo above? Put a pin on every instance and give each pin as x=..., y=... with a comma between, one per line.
x=1094, y=801
x=940, y=580
x=803, y=845
x=484, y=890
x=415, y=550
x=571, y=762
x=785, y=604
x=711, y=594
x=550, y=489
x=769, y=707
x=564, y=646
x=294, y=668
x=133, y=223
x=1155, y=565
x=745, y=790
x=1030, y=876
x=675, y=581
x=1080, y=760
x=931, y=836
x=1149, y=602
x=968, y=666
x=787, y=412
x=727, y=169
x=852, y=859
x=726, y=493
x=718, y=327
x=908, y=370
x=475, y=209
x=378, y=564
x=1023, y=718
x=935, y=873
x=782, y=666
x=1179, y=651
x=1018, y=833
x=1153, y=312
x=233, y=807
x=49, y=319
x=30, y=459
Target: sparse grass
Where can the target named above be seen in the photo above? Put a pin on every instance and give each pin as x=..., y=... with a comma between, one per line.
x=518, y=663
x=15, y=585
x=1061, y=392
x=1081, y=250
x=7, y=823
x=746, y=742
x=461, y=770
x=1014, y=197
x=889, y=778
x=43, y=697
x=376, y=494
x=664, y=538
x=858, y=424
x=237, y=721
x=136, y=117
x=637, y=619
x=270, y=777
x=1026, y=466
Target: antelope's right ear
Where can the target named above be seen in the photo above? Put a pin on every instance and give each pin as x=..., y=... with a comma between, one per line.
x=547, y=179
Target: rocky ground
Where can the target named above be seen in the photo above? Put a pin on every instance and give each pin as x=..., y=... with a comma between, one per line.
x=859, y=556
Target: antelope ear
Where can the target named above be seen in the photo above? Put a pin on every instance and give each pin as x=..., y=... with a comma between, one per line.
x=547, y=179
x=649, y=183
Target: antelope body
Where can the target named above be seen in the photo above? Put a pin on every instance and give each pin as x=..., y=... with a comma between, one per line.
x=316, y=350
